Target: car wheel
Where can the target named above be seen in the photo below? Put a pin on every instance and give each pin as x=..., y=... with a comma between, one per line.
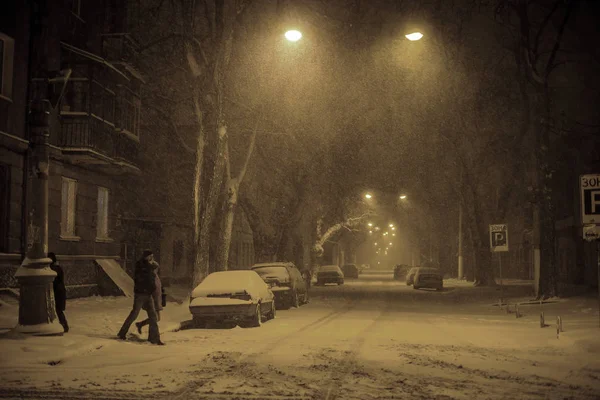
x=256, y=319
x=415, y=287
x=340, y=282
x=439, y=289
x=295, y=301
x=199, y=322
x=273, y=312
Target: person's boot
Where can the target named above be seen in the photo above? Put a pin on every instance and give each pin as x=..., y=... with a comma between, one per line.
x=139, y=326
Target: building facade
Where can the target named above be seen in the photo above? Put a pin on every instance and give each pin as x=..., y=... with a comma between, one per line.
x=77, y=55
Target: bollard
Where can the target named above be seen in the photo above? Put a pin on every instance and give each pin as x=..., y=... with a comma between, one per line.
x=542, y=322
x=517, y=313
x=559, y=326
x=508, y=308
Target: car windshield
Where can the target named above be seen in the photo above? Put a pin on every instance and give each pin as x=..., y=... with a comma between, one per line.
x=276, y=272
x=328, y=268
x=428, y=271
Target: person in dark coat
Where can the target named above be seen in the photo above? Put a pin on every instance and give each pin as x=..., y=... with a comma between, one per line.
x=156, y=296
x=144, y=287
x=60, y=292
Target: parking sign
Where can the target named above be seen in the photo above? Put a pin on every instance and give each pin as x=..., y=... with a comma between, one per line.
x=498, y=237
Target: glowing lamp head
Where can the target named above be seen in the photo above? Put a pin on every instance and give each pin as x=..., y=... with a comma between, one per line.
x=414, y=36
x=293, y=35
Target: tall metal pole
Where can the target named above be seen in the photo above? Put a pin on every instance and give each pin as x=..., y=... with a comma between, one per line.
x=461, y=271
x=598, y=262
x=501, y=283
x=37, y=314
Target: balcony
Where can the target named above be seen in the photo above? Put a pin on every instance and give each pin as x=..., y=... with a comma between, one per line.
x=95, y=143
x=99, y=114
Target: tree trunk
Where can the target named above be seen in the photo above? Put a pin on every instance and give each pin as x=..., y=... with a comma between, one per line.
x=198, y=273
x=202, y=264
x=227, y=227
x=548, y=283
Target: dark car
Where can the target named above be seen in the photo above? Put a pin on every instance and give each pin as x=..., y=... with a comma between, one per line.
x=410, y=276
x=350, y=271
x=285, y=281
x=330, y=274
x=401, y=271
x=428, y=278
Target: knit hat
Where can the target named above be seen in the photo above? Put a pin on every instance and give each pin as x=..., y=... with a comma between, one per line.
x=146, y=253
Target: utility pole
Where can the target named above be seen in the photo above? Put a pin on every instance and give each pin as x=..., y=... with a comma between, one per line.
x=461, y=270
x=37, y=314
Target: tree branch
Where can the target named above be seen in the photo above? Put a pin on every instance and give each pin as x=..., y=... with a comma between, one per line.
x=250, y=148
x=561, y=30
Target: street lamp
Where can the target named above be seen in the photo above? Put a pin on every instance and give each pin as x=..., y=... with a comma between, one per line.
x=293, y=35
x=368, y=196
x=414, y=36
x=402, y=196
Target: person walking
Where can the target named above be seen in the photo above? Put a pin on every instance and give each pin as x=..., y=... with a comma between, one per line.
x=60, y=292
x=156, y=297
x=144, y=287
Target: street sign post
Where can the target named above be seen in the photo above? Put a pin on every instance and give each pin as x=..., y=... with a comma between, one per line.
x=498, y=237
x=590, y=216
x=499, y=243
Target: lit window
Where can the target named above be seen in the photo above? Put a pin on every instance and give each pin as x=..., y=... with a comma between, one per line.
x=68, y=207
x=102, y=226
x=7, y=49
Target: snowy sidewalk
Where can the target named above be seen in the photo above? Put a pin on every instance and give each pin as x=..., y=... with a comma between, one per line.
x=92, y=321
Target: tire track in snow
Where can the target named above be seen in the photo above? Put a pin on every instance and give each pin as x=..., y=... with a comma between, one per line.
x=254, y=352
x=337, y=378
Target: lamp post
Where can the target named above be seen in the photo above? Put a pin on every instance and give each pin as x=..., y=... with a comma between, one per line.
x=37, y=314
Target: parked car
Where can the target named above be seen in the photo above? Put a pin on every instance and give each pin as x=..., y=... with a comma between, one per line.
x=428, y=278
x=232, y=296
x=350, y=271
x=285, y=281
x=411, y=276
x=330, y=274
x=401, y=271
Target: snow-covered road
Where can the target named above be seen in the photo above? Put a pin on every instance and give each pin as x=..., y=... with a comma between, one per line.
x=370, y=338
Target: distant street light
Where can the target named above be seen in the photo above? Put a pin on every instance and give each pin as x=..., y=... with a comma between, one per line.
x=393, y=228
x=368, y=196
x=393, y=234
x=390, y=243
x=414, y=36
x=370, y=224
x=402, y=196
x=391, y=225
x=294, y=35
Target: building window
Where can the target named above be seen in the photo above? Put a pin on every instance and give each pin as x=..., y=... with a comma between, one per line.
x=68, y=207
x=102, y=225
x=4, y=206
x=75, y=99
x=103, y=102
x=7, y=49
x=76, y=7
x=130, y=111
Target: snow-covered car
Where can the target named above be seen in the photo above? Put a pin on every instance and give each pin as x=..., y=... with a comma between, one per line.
x=330, y=274
x=285, y=281
x=226, y=296
x=410, y=277
x=428, y=278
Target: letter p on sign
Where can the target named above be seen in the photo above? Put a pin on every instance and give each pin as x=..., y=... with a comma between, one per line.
x=498, y=237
